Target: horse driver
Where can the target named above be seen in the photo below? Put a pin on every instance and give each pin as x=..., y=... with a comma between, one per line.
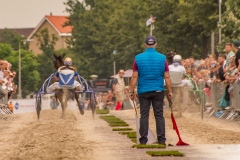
x=66, y=76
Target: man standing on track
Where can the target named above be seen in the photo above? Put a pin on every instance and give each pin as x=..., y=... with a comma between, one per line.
x=118, y=86
x=150, y=69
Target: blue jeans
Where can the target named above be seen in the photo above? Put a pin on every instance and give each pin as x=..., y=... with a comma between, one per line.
x=156, y=99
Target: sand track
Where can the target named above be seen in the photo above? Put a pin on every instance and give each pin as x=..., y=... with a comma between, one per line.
x=79, y=137
x=49, y=138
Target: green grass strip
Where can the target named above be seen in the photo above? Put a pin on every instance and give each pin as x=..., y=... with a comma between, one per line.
x=122, y=129
x=111, y=118
x=115, y=121
x=141, y=146
x=102, y=111
x=118, y=124
x=123, y=133
x=165, y=153
x=108, y=116
x=132, y=135
x=134, y=140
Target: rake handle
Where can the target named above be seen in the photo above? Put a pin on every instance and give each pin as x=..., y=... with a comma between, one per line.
x=134, y=106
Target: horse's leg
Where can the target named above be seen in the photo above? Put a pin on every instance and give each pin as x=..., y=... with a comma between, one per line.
x=57, y=99
x=76, y=95
x=60, y=98
x=39, y=105
x=64, y=101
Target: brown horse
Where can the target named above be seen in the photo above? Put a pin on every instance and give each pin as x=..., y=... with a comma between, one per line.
x=63, y=95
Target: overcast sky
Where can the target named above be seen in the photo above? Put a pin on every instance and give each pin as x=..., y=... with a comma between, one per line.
x=28, y=13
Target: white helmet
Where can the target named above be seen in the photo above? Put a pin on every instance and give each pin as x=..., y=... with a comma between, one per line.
x=177, y=58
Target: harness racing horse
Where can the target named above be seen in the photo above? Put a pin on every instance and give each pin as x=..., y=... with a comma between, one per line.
x=65, y=93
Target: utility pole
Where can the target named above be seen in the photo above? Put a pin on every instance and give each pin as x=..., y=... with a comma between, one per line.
x=212, y=43
x=219, y=20
x=19, y=72
x=114, y=63
x=20, y=67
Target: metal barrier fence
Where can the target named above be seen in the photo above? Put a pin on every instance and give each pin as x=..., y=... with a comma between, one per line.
x=5, y=110
x=188, y=97
x=236, y=97
x=208, y=99
x=4, y=107
x=216, y=92
x=219, y=105
x=197, y=95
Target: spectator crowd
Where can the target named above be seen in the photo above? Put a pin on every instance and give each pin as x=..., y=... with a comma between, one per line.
x=223, y=68
x=7, y=86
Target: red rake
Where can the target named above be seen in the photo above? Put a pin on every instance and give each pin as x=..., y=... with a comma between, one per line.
x=118, y=106
x=180, y=142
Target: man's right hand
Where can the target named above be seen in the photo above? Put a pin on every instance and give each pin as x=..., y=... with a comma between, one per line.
x=131, y=96
x=170, y=96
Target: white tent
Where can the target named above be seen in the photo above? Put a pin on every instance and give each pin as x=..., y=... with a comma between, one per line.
x=128, y=73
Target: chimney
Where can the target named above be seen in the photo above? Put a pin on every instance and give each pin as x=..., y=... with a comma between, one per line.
x=50, y=13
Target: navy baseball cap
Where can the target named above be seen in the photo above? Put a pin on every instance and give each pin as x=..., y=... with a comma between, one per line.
x=150, y=40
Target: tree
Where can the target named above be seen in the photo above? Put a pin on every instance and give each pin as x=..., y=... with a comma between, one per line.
x=230, y=22
x=120, y=25
x=98, y=32
x=13, y=38
x=186, y=25
x=46, y=43
x=30, y=75
x=85, y=42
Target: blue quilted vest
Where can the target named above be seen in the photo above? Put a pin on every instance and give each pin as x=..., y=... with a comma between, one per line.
x=151, y=68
